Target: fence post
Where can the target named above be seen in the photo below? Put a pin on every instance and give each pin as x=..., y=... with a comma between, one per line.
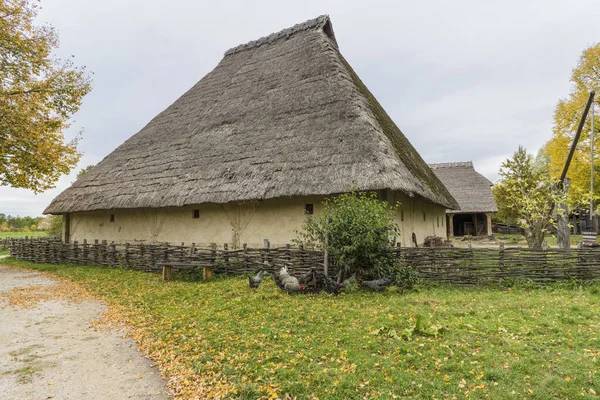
x=207, y=271
x=86, y=251
x=245, y=257
x=75, y=259
x=142, y=258
x=126, y=261
x=182, y=253
x=96, y=250
x=104, y=253
x=301, y=256
x=326, y=256
x=267, y=246
x=545, y=256
x=113, y=250
x=152, y=248
x=165, y=255
x=288, y=254
x=501, y=258
x=470, y=246
x=226, y=257
x=580, y=261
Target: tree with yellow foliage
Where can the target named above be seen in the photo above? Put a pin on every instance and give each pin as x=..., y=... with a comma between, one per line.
x=585, y=78
x=38, y=95
x=527, y=195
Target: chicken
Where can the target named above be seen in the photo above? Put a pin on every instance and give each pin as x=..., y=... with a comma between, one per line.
x=378, y=285
x=332, y=286
x=287, y=282
x=310, y=279
x=277, y=280
x=255, y=281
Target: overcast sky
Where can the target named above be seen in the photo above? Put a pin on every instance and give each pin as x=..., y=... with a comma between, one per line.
x=464, y=80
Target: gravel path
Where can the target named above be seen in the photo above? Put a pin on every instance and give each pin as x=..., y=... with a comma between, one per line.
x=51, y=351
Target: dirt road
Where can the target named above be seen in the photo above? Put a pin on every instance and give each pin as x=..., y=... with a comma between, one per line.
x=50, y=350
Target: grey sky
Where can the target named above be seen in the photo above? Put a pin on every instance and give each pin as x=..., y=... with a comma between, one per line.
x=464, y=80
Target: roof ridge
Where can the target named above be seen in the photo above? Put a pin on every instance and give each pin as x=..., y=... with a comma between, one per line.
x=455, y=164
x=319, y=22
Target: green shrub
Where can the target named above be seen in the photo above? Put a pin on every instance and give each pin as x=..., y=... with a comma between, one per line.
x=406, y=278
x=356, y=228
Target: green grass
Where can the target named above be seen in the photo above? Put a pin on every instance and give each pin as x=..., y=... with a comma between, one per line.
x=499, y=343
x=515, y=240
x=22, y=234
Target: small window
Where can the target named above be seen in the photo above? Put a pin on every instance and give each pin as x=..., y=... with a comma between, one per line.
x=424, y=216
x=401, y=215
x=112, y=217
x=443, y=218
x=196, y=214
x=308, y=209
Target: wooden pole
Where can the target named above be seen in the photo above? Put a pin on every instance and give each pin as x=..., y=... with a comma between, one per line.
x=576, y=138
x=326, y=256
x=563, y=232
x=207, y=270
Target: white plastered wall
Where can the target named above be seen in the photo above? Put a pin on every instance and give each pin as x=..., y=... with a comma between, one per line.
x=238, y=223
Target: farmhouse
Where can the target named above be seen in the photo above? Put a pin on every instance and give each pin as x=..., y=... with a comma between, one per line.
x=281, y=123
x=474, y=195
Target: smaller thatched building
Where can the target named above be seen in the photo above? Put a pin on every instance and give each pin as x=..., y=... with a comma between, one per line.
x=474, y=195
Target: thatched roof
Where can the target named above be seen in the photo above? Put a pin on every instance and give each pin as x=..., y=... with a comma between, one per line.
x=281, y=116
x=471, y=189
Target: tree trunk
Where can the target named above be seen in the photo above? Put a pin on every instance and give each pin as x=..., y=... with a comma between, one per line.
x=535, y=237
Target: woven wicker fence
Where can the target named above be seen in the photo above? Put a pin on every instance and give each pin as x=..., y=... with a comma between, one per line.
x=460, y=266
x=151, y=257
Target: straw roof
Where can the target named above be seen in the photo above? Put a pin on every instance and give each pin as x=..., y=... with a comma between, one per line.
x=471, y=189
x=281, y=116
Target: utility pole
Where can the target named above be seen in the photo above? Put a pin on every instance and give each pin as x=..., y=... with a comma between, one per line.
x=562, y=216
x=592, y=169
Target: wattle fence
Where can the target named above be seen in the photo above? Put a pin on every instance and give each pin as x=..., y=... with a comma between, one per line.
x=151, y=257
x=459, y=266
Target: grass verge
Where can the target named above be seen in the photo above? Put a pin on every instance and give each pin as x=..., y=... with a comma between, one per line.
x=220, y=339
x=15, y=235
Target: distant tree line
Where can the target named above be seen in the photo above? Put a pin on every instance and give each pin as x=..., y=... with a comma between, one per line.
x=9, y=223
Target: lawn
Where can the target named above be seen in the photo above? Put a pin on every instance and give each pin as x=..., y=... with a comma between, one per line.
x=512, y=240
x=220, y=338
x=4, y=235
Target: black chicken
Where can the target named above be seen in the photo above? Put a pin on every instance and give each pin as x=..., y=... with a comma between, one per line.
x=332, y=286
x=378, y=285
x=310, y=279
x=277, y=280
x=255, y=281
